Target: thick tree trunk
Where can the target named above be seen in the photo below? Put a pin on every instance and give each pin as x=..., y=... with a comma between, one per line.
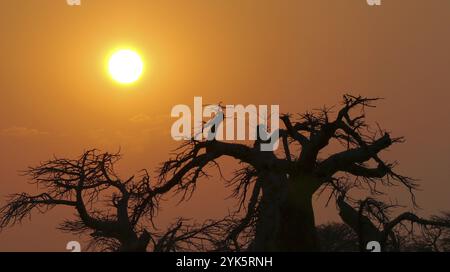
x=286, y=216
x=297, y=226
x=273, y=194
x=362, y=225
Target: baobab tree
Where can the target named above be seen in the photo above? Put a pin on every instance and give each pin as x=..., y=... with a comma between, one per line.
x=374, y=220
x=116, y=213
x=277, y=188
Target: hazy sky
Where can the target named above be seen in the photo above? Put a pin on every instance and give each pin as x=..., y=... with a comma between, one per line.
x=56, y=97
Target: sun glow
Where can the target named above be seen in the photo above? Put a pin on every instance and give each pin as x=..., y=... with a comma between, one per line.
x=125, y=66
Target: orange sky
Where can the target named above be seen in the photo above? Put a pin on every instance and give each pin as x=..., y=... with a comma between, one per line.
x=57, y=99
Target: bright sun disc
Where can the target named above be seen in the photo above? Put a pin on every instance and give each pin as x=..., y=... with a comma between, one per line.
x=125, y=66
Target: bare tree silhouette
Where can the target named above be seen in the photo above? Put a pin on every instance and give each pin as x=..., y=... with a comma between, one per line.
x=274, y=189
x=115, y=212
x=279, y=209
x=339, y=237
x=373, y=220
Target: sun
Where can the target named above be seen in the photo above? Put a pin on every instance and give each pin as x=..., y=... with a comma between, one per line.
x=125, y=66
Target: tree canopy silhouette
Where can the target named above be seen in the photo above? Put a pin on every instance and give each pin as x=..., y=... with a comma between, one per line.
x=116, y=213
x=277, y=189
x=274, y=189
x=373, y=220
